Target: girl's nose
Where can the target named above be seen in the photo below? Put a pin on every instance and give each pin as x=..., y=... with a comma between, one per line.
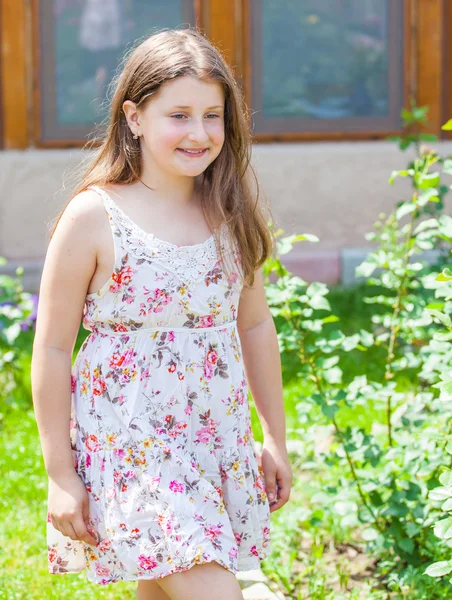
x=197, y=131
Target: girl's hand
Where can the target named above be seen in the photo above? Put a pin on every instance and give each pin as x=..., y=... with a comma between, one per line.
x=69, y=508
x=277, y=473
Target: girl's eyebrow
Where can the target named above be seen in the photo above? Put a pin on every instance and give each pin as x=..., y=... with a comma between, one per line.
x=185, y=107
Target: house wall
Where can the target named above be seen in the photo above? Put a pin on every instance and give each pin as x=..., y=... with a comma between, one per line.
x=334, y=190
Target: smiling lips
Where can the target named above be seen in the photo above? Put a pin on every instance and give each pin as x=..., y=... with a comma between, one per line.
x=193, y=153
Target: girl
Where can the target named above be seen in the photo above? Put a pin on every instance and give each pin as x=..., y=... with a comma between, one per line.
x=153, y=475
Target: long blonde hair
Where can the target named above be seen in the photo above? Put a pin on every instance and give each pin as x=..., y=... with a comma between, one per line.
x=229, y=186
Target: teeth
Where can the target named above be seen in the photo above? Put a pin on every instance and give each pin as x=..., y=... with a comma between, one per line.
x=194, y=151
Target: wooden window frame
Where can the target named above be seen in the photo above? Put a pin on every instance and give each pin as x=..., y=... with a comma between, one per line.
x=447, y=65
x=427, y=43
x=276, y=126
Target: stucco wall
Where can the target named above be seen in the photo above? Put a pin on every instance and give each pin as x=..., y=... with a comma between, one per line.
x=332, y=190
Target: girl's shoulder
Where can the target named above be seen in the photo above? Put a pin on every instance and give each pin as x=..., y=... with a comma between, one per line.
x=84, y=213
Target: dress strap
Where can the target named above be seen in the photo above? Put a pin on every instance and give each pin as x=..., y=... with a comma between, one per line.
x=119, y=242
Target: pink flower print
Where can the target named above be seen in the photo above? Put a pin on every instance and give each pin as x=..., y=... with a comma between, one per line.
x=52, y=555
x=204, y=435
x=49, y=520
x=188, y=409
x=99, y=387
x=206, y=321
x=92, y=443
x=119, y=327
x=213, y=532
x=147, y=562
x=129, y=356
x=232, y=278
x=254, y=551
x=233, y=552
x=88, y=460
x=119, y=453
x=116, y=360
x=161, y=298
x=124, y=276
x=103, y=546
x=102, y=570
x=240, y=396
x=135, y=533
x=73, y=383
x=171, y=336
x=123, y=526
x=208, y=369
x=176, y=487
x=238, y=538
x=212, y=357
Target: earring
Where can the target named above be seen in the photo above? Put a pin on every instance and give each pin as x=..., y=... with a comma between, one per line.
x=135, y=137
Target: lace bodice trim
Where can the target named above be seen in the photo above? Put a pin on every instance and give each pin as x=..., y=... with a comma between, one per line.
x=188, y=262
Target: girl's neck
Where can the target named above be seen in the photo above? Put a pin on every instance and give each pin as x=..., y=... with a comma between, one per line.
x=179, y=191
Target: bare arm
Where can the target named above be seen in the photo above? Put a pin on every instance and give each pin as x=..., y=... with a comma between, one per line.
x=69, y=265
x=262, y=359
x=263, y=370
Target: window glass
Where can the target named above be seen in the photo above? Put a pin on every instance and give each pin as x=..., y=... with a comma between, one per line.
x=327, y=60
x=82, y=42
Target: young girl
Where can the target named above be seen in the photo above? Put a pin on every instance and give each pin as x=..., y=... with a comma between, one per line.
x=147, y=438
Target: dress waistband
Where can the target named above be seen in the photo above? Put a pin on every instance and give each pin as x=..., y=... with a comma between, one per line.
x=223, y=326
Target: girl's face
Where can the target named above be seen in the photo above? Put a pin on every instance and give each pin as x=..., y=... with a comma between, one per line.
x=186, y=114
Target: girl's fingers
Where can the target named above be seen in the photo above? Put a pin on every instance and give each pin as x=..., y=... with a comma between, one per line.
x=270, y=486
x=59, y=526
x=82, y=532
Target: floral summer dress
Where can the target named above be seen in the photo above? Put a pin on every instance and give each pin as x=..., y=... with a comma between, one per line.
x=160, y=420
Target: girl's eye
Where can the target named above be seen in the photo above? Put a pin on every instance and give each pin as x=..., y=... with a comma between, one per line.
x=181, y=115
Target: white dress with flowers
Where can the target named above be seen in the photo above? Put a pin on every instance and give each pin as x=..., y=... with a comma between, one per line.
x=160, y=420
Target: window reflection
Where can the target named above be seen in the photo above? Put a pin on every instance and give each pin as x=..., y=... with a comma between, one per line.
x=324, y=59
x=89, y=39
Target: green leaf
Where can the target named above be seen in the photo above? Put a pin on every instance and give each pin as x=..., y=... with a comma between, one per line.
x=427, y=180
x=427, y=224
x=395, y=174
x=406, y=544
x=445, y=225
x=438, y=569
x=430, y=195
x=447, y=166
x=443, y=528
x=447, y=506
x=369, y=534
x=442, y=317
x=405, y=209
x=446, y=479
x=440, y=494
x=447, y=126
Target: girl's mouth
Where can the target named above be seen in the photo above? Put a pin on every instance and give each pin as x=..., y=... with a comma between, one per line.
x=192, y=153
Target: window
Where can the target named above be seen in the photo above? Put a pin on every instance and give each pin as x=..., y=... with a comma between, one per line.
x=326, y=65
x=80, y=43
x=311, y=69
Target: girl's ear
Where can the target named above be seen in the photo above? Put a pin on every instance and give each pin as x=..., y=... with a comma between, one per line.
x=132, y=116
